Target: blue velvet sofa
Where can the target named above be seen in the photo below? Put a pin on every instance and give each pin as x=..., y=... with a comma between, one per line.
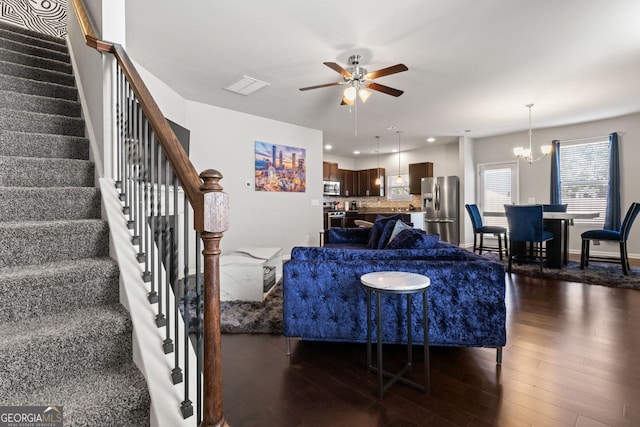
x=324, y=301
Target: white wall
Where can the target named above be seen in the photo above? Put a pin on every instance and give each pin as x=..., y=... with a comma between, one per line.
x=224, y=140
x=172, y=105
x=444, y=158
x=89, y=79
x=93, y=71
x=343, y=162
x=467, y=188
x=534, y=179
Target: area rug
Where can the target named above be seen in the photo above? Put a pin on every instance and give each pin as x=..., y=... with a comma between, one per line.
x=597, y=273
x=253, y=317
x=246, y=317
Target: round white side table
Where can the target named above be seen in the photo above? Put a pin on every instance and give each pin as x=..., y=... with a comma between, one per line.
x=396, y=282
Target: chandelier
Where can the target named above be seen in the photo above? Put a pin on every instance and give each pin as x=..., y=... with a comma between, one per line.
x=527, y=153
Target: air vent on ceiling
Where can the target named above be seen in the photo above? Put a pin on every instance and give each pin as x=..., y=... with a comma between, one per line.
x=245, y=85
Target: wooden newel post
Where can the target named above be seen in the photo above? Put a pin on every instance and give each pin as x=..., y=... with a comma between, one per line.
x=216, y=220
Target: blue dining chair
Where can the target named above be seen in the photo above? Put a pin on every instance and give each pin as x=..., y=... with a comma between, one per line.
x=480, y=229
x=555, y=208
x=526, y=227
x=611, y=236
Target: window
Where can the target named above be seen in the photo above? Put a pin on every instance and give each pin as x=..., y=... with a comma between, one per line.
x=584, y=177
x=497, y=187
x=398, y=187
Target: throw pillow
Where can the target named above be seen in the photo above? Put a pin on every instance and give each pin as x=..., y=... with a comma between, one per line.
x=377, y=229
x=399, y=226
x=386, y=233
x=414, y=239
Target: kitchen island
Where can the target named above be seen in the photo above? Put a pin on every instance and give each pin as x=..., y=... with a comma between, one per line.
x=370, y=214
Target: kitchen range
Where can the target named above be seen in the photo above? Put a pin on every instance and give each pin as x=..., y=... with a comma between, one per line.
x=333, y=216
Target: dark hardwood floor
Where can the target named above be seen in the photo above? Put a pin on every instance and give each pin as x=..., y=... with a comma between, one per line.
x=572, y=359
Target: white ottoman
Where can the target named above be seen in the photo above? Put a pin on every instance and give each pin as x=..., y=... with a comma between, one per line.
x=243, y=273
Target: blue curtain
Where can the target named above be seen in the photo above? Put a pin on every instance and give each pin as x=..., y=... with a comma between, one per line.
x=612, y=217
x=555, y=194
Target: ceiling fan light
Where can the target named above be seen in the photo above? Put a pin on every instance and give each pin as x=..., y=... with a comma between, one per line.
x=350, y=94
x=364, y=94
x=345, y=101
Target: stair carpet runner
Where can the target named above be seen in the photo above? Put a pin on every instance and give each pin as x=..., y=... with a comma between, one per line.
x=64, y=337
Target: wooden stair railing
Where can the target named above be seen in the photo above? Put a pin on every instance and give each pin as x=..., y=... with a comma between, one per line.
x=210, y=207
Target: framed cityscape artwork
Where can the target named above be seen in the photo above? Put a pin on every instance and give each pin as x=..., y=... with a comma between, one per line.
x=280, y=168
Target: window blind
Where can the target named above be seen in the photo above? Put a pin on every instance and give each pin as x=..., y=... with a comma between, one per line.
x=497, y=193
x=584, y=176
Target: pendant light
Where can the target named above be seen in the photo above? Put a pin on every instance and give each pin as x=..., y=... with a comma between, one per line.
x=378, y=159
x=399, y=177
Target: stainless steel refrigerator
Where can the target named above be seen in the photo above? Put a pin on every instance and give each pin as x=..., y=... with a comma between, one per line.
x=441, y=206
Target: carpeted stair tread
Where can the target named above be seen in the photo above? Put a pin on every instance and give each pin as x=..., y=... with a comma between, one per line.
x=28, y=49
x=35, y=87
x=36, y=73
x=47, y=204
x=80, y=341
x=33, y=34
x=37, y=242
x=42, y=145
x=68, y=285
x=64, y=337
x=45, y=172
x=23, y=121
x=117, y=397
x=39, y=104
x=57, y=45
x=34, y=61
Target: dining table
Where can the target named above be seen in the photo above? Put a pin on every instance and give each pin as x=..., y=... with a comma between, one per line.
x=558, y=224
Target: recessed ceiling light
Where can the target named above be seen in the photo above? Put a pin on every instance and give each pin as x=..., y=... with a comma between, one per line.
x=431, y=139
x=328, y=147
x=391, y=127
x=395, y=150
x=245, y=85
x=356, y=152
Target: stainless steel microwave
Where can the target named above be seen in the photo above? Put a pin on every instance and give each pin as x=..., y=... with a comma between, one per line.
x=331, y=188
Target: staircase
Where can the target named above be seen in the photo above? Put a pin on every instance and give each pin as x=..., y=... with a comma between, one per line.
x=64, y=337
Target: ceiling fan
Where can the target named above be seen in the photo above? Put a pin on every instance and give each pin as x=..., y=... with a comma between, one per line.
x=359, y=80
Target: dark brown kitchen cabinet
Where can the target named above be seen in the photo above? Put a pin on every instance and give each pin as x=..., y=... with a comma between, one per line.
x=348, y=182
x=374, y=188
x=329, y=171
x=417, y=171
x=367, y=182
x=363, y=183
x=351, y=217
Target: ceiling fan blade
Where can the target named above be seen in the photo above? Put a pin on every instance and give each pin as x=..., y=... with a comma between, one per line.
x=339, y=69
x=398, y=68
x=384, y=89
x=319, y=86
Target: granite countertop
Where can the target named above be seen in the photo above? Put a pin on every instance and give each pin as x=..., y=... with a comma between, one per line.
x=375, y=210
